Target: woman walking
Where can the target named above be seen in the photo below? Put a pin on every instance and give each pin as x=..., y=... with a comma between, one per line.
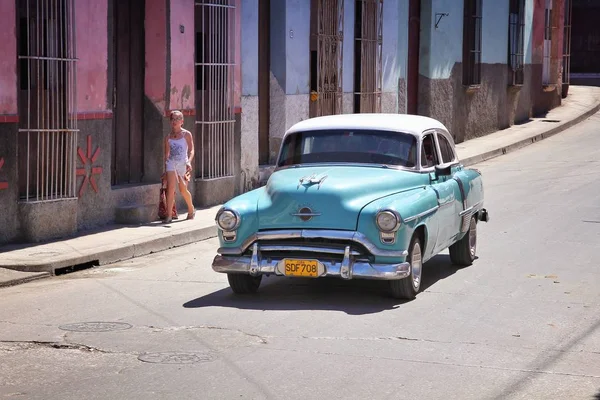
x=179, y=153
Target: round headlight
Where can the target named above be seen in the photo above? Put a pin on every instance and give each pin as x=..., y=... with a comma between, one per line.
x=387, y=221
x=227, y=220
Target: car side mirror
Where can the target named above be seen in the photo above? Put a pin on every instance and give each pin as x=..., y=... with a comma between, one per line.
x=443, y=171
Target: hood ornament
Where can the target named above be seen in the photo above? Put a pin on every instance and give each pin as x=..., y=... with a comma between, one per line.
x=311, y=180
x=306, y=214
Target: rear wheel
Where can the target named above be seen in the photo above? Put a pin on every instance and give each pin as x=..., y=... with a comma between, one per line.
x=244, y=284
x=463, y=252
x=408, y=287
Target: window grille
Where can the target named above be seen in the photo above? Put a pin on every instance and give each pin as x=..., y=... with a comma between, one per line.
x=215, y=63
x=368, y=55
x=327, y=26
x=472, y=43
x=48, y=106
x=516, y=42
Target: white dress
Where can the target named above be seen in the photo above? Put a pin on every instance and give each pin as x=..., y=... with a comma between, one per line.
x=178, y=156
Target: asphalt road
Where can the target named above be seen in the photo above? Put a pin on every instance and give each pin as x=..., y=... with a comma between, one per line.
x=522, y=323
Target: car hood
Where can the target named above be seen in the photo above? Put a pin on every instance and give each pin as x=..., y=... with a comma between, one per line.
x=334, y=194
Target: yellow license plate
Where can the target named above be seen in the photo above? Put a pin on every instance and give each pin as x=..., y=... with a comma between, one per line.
x=306, y=268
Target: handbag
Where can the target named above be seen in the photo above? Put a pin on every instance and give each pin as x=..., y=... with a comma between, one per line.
x=162, y=203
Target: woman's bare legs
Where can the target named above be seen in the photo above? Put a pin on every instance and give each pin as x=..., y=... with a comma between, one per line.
x=171, y=182
x=187, y=196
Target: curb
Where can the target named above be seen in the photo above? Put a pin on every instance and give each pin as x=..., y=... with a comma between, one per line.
x=113, y=255
x=531, y=140
x=18, y=281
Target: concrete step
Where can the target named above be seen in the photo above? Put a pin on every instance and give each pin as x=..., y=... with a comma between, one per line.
x=136, y=214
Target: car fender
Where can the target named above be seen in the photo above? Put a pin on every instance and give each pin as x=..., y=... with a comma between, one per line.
x=470, y=183
x=417, y=208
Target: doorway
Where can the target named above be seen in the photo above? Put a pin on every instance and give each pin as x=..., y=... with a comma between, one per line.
x=128, y=139
x=412, y=79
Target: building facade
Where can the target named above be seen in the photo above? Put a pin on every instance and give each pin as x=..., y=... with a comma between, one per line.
x=86, y=94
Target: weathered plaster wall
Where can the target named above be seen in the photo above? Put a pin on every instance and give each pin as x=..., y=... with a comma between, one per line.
x=8, y=62
x=495, y=32
x=394, y=48
x=92, y=52
x=545, y=98
x=297, y=47
x=182, y=55
x=237, y=80
x=441, y=47
x=249, y=47
x=494, y=105
x=155, y=78
x=249, y=103
x=290, y=68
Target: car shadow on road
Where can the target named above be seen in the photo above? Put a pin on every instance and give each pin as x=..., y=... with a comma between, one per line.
x=354, y=297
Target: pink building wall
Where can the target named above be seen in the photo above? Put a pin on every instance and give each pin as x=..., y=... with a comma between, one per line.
x=155, y=81
x=8, y=60
x=182, y=55
x=237, y=92
x=92, y=51
x=539, y=20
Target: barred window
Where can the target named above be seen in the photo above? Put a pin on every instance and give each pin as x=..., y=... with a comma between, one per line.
x=472, y=43
x=368, y=37
x=516, y=41
x=47, y=100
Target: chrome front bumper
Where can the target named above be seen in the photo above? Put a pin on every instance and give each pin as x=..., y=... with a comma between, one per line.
x=348, y=268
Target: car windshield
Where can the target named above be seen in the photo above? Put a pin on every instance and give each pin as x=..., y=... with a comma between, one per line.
x=349, y=146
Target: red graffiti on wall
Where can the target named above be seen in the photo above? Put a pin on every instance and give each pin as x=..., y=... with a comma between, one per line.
x=88, y=158
x=3, y=185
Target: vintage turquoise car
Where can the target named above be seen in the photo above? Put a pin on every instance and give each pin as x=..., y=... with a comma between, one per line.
x=358, y=196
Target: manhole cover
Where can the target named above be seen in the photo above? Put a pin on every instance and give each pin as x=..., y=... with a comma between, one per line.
x=175, y=358
x=95, y=327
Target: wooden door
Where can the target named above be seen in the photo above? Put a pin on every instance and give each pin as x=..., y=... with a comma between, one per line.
x=128, y=151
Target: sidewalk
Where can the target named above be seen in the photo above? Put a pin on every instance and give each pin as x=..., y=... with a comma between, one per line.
x=22, y=263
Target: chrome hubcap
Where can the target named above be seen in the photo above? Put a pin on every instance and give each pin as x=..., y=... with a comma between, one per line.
x=416, y=264
x=473, y=238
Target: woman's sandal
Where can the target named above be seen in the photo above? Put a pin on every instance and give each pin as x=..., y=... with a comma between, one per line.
x=192, y=215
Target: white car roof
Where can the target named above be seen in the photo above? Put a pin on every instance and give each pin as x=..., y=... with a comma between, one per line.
x=406, y=123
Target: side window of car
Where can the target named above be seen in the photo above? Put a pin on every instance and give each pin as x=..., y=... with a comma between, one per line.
x=428, y=153
x=446, y=149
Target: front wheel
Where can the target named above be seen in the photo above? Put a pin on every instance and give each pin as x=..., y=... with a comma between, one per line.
x=463, y=252
x=408, y=287
x=244, y=284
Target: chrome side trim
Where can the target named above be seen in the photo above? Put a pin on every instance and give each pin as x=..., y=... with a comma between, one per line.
x=446, y=204
x=473, y=208
x=308, y=249
x=311, y=214
x=424, y=213
x=462, y=191
x=313, y=234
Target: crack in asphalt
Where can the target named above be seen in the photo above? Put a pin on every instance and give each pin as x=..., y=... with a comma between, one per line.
x=18, y=345
x=27, y=324
x=262, y=339
x=490, y=367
